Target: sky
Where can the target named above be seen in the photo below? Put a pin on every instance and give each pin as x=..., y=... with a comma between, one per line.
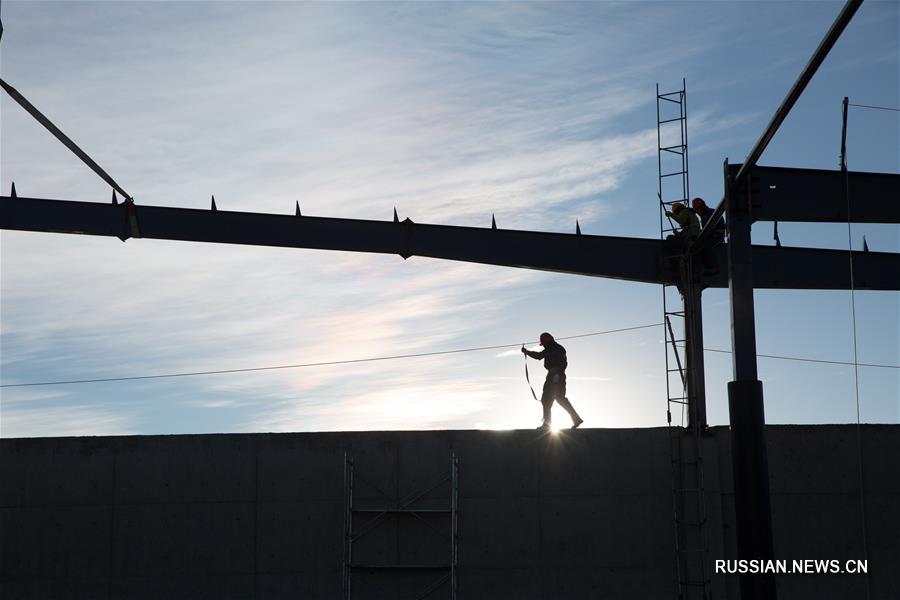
x=539, y=114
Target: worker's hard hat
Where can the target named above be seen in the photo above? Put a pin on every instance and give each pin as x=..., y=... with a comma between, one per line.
x=676, y=208
x=546, y=339
x=698, y=203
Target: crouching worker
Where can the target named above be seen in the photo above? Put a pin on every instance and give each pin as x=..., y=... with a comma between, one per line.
x=710, y=266
x=555, y=362
x=681, y=240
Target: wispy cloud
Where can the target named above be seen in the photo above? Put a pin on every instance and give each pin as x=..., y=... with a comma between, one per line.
x=538, y=113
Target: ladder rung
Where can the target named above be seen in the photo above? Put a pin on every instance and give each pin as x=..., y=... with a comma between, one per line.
x=667, y=94
x=672, y=149
x=671, y=120
x=673, y=370
x=672, y=174
x=676, y=401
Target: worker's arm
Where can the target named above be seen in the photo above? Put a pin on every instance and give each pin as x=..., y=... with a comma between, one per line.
x=537, y=355
x=682, y=218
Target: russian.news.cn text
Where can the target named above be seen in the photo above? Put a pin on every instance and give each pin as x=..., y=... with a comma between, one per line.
x=791, y=567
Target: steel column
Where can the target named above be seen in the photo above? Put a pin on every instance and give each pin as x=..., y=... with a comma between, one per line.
x=750, y=467
x=693, y=336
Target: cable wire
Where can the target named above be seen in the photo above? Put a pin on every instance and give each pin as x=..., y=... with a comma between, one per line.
x=875, y=107
x=318, y=364
x=417, y=355
x=846, y=186
x=810, y=360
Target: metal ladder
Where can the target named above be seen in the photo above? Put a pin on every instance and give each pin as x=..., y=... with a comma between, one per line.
x=685, y=444
x=400, y=508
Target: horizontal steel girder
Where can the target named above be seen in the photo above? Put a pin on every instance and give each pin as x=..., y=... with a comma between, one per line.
x=630, y=259
x=813, y=195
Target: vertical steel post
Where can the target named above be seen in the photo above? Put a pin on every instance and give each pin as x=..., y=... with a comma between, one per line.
x=693, y=344
x=348, y=524
x=693, y=308
x=454, y=516
x=750, y=467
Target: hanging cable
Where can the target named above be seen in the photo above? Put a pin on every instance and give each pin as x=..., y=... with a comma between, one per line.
x=808, y=360
x=419, y=355
x=318, y=364
x=846, y=184
x=528, y=377
x=875, y=107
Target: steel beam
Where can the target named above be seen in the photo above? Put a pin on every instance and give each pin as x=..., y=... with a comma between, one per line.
x=788, y=268
x=817, y=196
x=841, y=22
x=629, y=259
x=787, y=104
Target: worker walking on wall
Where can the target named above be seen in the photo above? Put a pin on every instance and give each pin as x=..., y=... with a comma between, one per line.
x=555, y=362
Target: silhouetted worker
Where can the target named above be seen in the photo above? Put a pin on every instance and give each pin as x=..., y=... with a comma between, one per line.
x=718, y=235
x=681, y=239
x=555, y=362
x=705, y=213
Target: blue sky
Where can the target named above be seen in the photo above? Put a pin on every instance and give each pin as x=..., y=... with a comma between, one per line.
x=538, y=113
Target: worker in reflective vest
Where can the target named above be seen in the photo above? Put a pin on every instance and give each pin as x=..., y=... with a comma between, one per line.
x=555, y=362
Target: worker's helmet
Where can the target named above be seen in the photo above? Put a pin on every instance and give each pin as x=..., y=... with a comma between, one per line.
x=677, y=207
x=698, y=203
x=546, y=339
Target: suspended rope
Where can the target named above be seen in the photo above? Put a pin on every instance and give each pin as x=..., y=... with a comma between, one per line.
x=423, y=354
x=875, y=107
x=317, y=364
x=67, y=142
x=807, y=360
x=527, y=378
x=846, y=185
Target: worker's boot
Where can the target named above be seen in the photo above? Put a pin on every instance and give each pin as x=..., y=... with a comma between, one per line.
x=576, y=420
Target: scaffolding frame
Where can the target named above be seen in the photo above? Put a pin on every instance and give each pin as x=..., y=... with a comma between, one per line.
x=685, y=396
x=400, y=508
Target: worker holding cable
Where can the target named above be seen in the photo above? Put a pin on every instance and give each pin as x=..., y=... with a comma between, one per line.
x=555, y=362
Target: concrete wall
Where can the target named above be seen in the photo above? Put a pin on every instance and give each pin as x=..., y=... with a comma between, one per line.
x=585, y=514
